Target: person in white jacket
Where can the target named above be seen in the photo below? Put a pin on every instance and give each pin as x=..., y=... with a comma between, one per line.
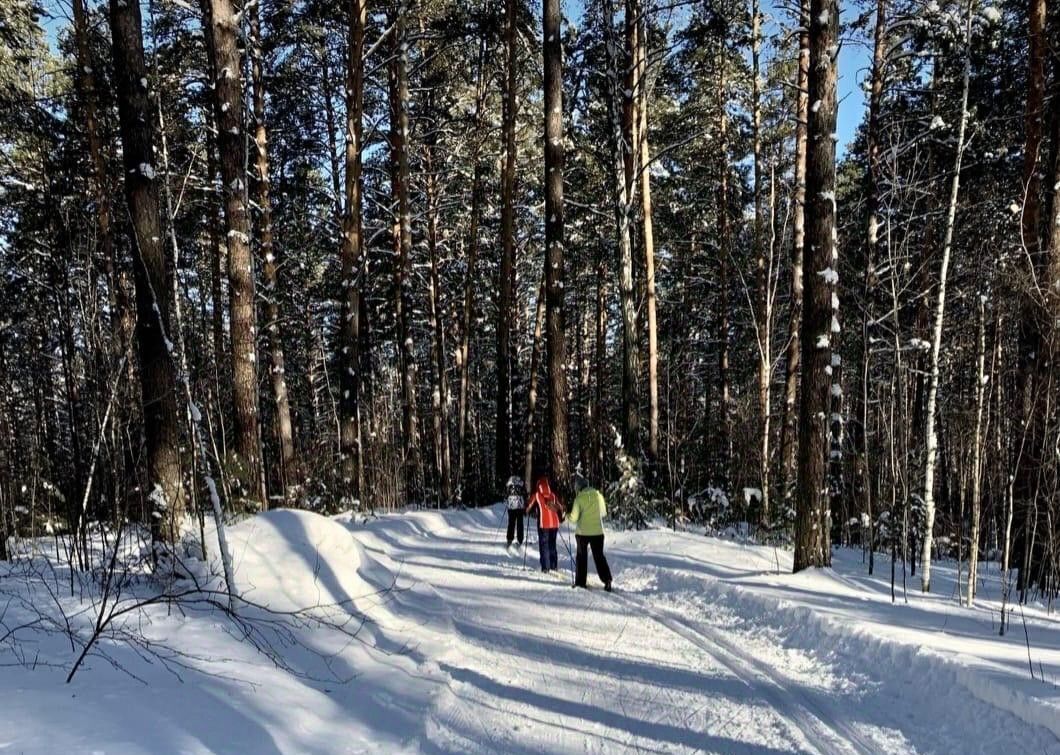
x=516, y=502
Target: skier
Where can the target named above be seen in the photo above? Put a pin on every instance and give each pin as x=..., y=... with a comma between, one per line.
x=516, y=503
x=587, y=514
x=549, y=513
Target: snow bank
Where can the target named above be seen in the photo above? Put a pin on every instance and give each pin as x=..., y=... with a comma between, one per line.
x=289, y=560
x=845, y=617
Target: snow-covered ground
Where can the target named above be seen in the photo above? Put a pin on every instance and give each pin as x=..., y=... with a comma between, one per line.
x=707, y=646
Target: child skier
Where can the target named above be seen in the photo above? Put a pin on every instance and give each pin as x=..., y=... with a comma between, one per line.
x=550, y=512
x=516, y=509
x=587, y=513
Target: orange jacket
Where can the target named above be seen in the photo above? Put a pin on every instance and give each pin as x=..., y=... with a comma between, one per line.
x=548, y=503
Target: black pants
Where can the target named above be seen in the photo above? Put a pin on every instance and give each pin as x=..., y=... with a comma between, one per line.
x=546, y=546
x=515, y=525
x=596, y=543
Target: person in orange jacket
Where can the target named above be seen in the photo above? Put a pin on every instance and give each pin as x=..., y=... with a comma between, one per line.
x=550, y=513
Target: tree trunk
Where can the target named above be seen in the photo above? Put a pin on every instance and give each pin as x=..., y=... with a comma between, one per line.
x=762, y=304
x=930, y=437
x=819, y=324
x=600, y=426
x=399, y=180
x=554, y=315
x=622, y=139
x=649, y=237
x=724, y=262
x=790, y=429
x=977, y=450
x=218, y=254
x=440, y=390
x=158, y=379
x=535, y=365
x=349, y=336
x=327, y=93
x=86, y=83
x=1034, y=329
x=507, y=272
x=269, y=269
x=464, y=351
x=222, y=26
x=863, y=474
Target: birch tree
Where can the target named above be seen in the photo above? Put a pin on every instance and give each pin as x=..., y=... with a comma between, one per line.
x=930, y=434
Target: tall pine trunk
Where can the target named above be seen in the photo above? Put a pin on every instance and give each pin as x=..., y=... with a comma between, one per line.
x=535, y=367
x=158, y=378
x=622, y=140
x=440, y=389
x=554, y=252
x=507, y=272
x=862, y=469
x=790, y=428
x=724, y=264
x=762, y=314
x=222, y=27
x=282, y=427
x=470, y=281
x=399, y=182
x=819, y=325
x=349, y=340
x=648, y=232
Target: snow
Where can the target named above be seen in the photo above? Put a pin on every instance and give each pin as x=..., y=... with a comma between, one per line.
x=831, y=277
x=710, y=645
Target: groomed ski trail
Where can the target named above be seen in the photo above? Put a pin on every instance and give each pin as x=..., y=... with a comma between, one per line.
x=532, y=665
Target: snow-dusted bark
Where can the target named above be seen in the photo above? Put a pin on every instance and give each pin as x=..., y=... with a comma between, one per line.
x=977, y=450
x=621, y=106
x=158, y=378
x=763, y=313
x=535, y=367
x=221, y=22
x=399, y=185
x=930, y=435
x=507, y=269
x=350, y=254
x=724, y=265
x=440, y=388
x=282, y=429
x=789, y=430
x=554, y=251
x=647, y=227
x=820, y=304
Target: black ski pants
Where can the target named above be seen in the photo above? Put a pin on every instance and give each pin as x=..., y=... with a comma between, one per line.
x=596, y=544
x=515, y=525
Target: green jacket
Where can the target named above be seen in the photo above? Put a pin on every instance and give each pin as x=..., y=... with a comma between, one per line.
x=588, y=512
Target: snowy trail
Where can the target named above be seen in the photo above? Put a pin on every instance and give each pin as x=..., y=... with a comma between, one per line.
x=814, y=717
x=709, y=646
x=536, y=666
x=663, y=666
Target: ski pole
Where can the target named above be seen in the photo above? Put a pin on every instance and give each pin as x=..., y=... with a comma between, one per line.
x=526, y=541
x=570, y=554
x=502, y=518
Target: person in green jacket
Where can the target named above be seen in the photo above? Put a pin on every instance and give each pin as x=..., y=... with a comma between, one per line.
x=587, y=515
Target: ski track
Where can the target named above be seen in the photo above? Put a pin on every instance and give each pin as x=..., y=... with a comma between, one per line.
x=827, y=730
x=533, y=667
x=544, y=687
